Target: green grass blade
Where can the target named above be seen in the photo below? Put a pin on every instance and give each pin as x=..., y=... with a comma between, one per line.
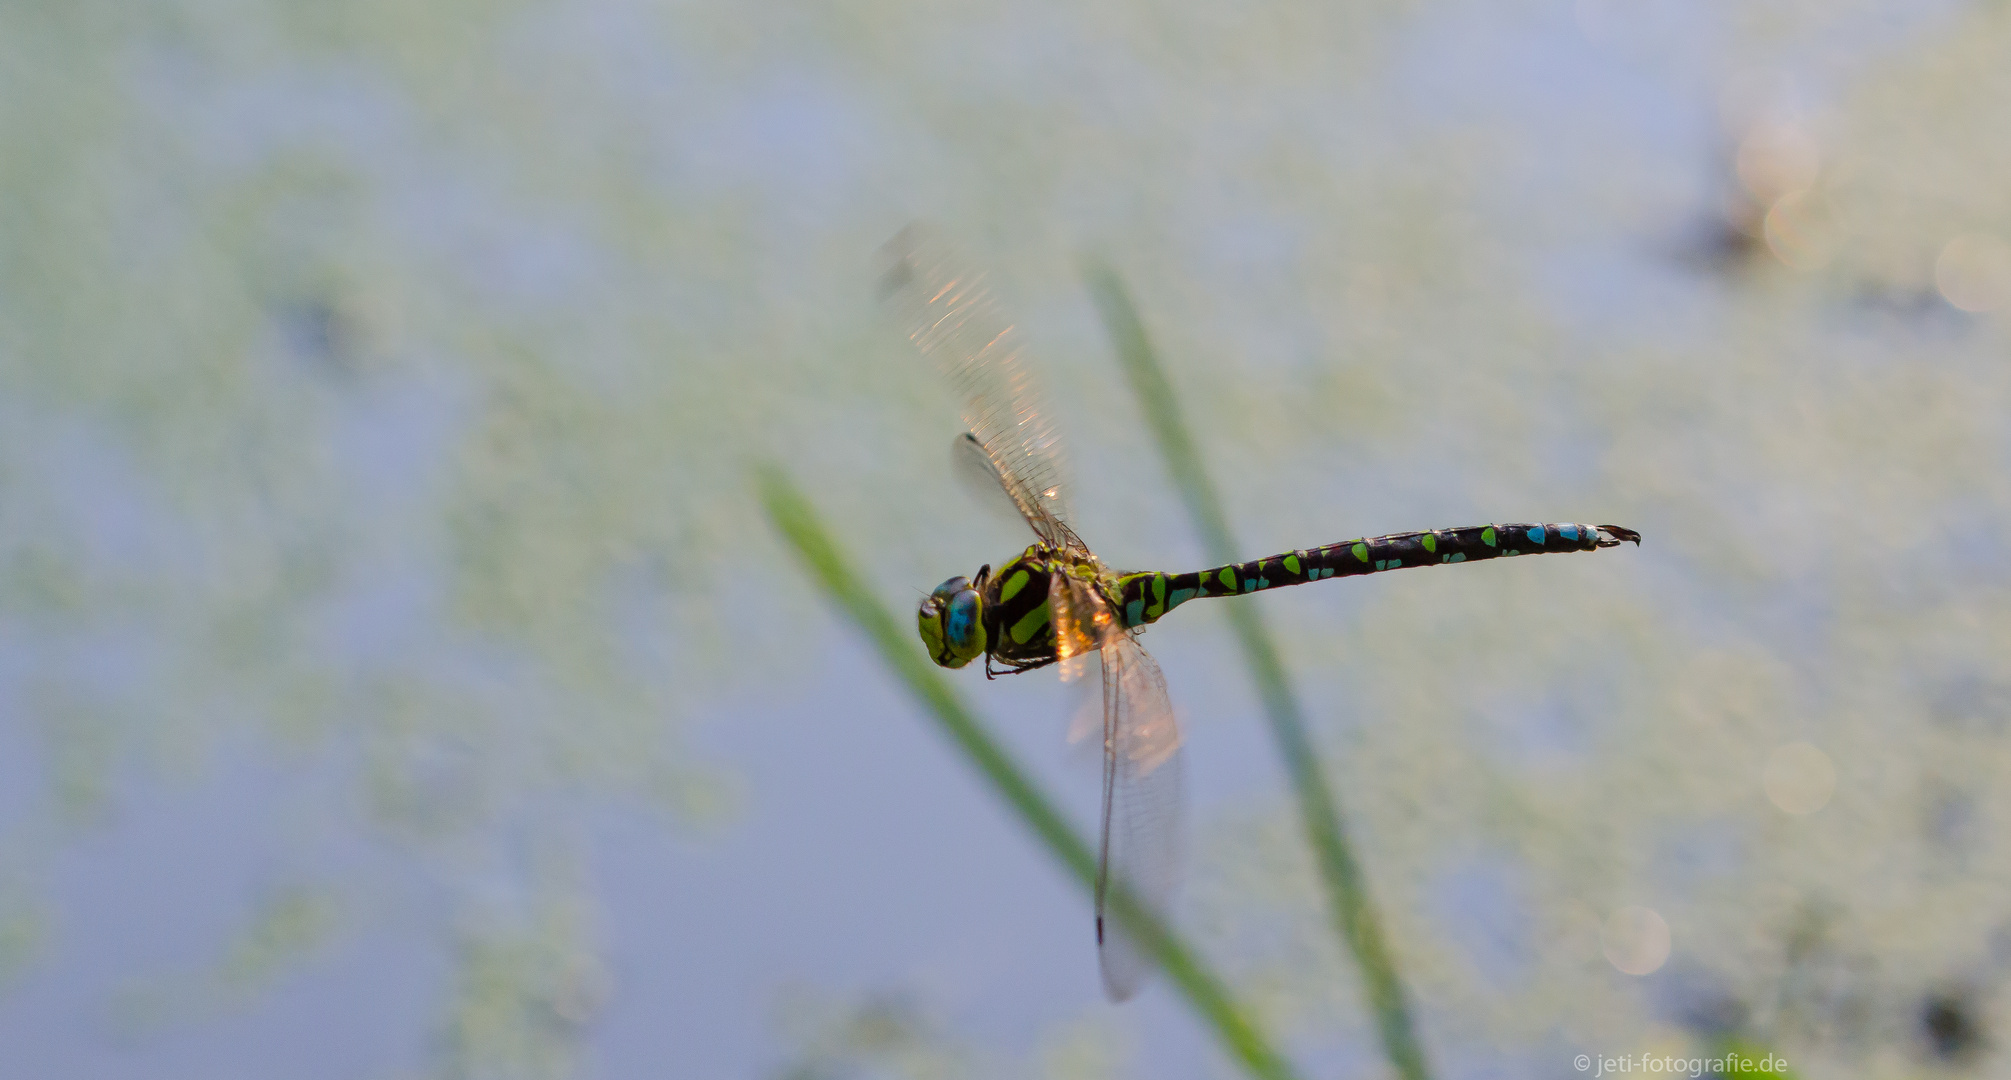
x=797, y=521
x=1745, y=1059
x=1354, y=913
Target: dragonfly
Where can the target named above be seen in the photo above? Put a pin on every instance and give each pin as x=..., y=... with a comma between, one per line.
x=1057, y=603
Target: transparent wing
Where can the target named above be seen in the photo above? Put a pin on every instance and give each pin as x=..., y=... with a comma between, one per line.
x=977, y=475
x=1142, y=798
x=1140, y=839
x=947, y=311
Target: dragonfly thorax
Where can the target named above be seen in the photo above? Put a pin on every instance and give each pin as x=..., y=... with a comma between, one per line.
x=1018, y=621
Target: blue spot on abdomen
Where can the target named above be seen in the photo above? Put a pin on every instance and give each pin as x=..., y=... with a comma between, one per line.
x=1536, y=534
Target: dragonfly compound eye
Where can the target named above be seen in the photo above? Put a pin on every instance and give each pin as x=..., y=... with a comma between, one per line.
x=951, y=621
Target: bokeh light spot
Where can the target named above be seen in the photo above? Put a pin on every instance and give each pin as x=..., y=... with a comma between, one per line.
x=1799, y=778
x=1636, y=940
x=1796, y=227
x=1974, y=272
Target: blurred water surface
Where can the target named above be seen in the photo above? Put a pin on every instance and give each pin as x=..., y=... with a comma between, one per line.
x=398, y=677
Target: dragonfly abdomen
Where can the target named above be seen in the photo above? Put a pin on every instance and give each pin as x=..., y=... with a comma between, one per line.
x=1145, y=597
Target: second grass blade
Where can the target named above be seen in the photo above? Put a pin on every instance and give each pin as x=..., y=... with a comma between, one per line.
x=1354, y=912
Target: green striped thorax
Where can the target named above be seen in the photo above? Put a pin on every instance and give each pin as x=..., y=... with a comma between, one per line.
x=952, y=622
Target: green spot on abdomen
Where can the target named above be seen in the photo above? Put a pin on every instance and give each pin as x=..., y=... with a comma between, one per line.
x=1029, y=624
x=1228, y=579
x=1292, y=563
x=1430, y=543
x=1361, y=551
x=1487, y=536
x=1013, y=585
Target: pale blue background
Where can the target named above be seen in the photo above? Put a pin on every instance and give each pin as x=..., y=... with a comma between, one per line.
x=378, y=397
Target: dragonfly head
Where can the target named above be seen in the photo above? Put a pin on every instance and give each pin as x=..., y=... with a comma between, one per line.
x=952, y=623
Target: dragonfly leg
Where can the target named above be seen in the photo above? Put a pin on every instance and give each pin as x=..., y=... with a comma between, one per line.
x=1016, y=669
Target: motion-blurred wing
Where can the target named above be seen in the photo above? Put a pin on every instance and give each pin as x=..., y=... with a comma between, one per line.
x=977, y=474
x=947, y=311
x=1142, y=806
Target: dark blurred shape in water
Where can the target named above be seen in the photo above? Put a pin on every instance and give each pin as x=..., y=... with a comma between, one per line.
x=1952, y=1022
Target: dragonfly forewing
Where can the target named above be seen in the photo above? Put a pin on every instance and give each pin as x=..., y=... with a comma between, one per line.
x=979, y=477
x=947, y=310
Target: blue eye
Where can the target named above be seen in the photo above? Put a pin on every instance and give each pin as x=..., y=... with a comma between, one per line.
x=961, y=621
x=951, y=621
